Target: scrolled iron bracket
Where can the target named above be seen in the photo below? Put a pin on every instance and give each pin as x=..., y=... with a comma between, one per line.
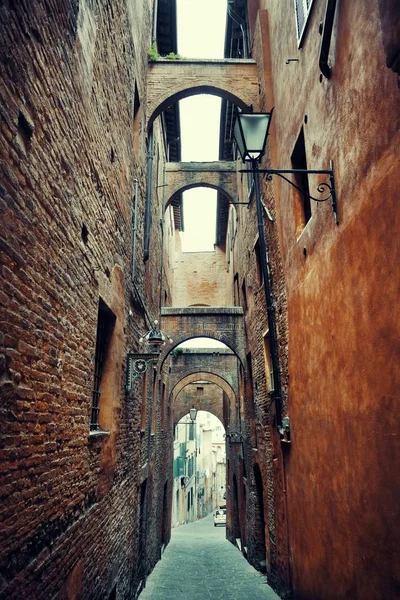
x=325, y=186
x=136, y=365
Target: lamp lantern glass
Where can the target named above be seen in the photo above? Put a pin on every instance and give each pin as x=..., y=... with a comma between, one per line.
x=250, y=132
x=155, y=337
x=193, y=413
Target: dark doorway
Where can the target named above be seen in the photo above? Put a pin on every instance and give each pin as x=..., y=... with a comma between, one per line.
x=235, y=512
x=259, y=553
x=165, y=530
x=142, y=532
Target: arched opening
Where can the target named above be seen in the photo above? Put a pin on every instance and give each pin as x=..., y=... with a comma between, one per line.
x=199, y=467
x=185, y=89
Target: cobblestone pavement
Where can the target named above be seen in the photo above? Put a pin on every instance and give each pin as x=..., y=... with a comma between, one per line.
x=200, y=564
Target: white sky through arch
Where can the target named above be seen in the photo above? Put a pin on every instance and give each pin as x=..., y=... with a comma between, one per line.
x=201, y=34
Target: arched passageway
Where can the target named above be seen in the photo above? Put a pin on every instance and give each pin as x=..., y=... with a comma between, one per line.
x=205, y=391
x=169, y=81
x=224, y=324
x=219, y=176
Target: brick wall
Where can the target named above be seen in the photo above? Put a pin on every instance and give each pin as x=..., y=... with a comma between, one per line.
x=69, y=518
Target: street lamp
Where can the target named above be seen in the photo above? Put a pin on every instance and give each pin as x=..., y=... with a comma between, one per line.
x=193, y=413
x=137, y=363
x=251, y=131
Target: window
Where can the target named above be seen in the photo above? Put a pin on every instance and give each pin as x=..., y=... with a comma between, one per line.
x=389, y=12
x=269, y=372
x=105, y=325
x=302, y=200
x=244, y=295
x=250, y=181
x=249, y=384
x=302, y=10
x=236, y=294
x=136, y=120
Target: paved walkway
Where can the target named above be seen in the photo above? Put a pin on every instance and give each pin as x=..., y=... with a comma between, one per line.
x=200, y=564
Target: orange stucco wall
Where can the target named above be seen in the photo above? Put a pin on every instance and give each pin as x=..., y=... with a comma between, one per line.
x=343, y=312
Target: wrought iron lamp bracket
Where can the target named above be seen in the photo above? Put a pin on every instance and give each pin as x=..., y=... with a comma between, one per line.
x=136, y=365
x=325, y=186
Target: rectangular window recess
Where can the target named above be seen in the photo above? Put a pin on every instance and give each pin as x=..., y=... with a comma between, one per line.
x=302, y=12
x=302, y=202
x=105, y=324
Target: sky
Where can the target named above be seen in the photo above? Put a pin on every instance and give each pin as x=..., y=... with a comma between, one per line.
x=200, y=37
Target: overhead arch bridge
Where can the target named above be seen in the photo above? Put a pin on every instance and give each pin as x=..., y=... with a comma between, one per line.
x=171, y=80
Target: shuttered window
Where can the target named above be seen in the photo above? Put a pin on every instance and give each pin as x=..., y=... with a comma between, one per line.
x=302, y=9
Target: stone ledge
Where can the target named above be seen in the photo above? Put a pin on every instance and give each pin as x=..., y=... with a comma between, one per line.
x=203, y=61
x=170, y=311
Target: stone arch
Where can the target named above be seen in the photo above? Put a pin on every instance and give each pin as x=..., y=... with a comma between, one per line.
x=224, y=324
x=218, y=380
x=227, y=189
x=184, y=91
x=179, y=339
x=171, y=80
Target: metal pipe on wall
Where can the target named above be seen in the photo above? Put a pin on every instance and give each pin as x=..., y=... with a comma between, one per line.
x=136, y=181
x=149, y=192
x=268, y=299
x=326, y=38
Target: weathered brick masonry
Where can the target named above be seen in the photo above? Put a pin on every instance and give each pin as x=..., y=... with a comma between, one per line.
x=72, y=80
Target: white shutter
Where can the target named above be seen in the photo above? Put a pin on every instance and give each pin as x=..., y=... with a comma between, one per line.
x=302, y=10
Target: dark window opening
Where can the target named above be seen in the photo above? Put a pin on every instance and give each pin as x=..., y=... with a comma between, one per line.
x=236, y=293
x=105, y=324
x=302, y=200
x=249, y=384
x=244, y=295
x=25, y=131
x=136, y=119
x=84, y=234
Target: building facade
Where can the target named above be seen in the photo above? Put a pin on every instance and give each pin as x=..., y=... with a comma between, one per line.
x=91, y=212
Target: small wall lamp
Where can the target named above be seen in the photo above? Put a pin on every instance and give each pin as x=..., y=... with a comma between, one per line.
x=251, y=132
x=137, y=362
x=193, y=413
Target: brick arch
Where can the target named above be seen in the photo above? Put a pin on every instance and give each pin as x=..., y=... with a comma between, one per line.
x=169, y=98
x=229, y=396
x=220, y=176
x=184, y=337
x=171, y=80
x=224, y=324
x=226, y=193
x=193, y=374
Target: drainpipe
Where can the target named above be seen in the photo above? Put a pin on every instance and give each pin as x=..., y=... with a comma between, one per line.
x=155, y=14
x=149, y=190
x=134, y=229
x=268, y=300
x=326, y=38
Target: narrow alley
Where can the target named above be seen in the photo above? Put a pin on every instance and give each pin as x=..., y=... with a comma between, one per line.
x=199, y=299
x=200, y=564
